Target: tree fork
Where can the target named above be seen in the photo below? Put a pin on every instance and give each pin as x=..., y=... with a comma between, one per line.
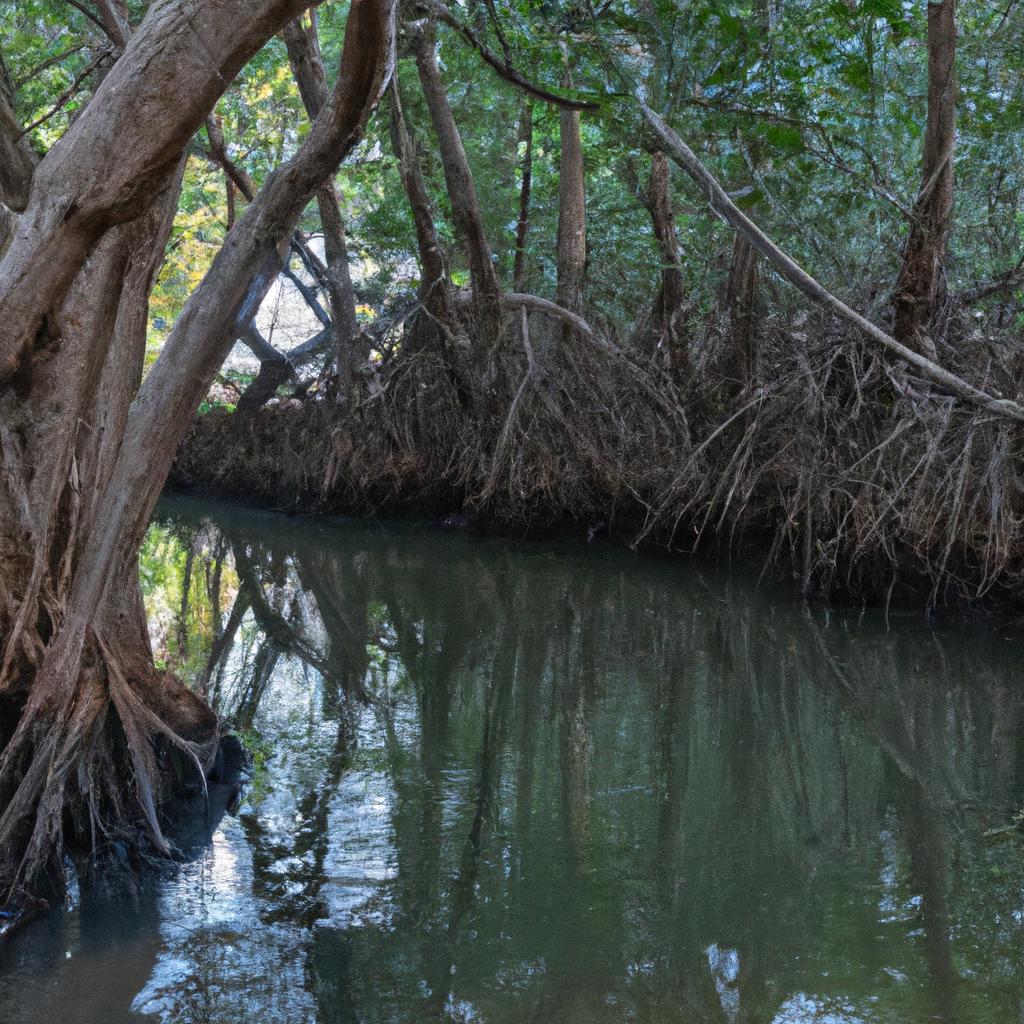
x=176, y=64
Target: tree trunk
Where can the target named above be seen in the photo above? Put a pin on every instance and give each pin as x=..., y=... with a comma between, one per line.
x=572, y=216
x=519, y=269
x=435, y=284
x=921, y=282
x=669, y=309
x=741, y=300
x=459, y=181
x=350, y=349
x=17, y=161
x=122, y=150
x=791, y=271
x=88, y=721
x=275, y=370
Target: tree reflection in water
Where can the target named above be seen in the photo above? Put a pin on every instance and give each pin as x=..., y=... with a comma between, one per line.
x=518, y=783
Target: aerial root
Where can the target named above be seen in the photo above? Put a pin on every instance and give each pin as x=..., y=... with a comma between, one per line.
x=831, y=461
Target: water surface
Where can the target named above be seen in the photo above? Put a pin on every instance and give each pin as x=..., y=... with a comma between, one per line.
x=515, y=783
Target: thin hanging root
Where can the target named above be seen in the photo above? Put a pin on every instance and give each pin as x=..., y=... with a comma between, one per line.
x=580, y=438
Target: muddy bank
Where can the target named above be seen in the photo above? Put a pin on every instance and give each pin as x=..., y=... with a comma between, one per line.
x=828, y=469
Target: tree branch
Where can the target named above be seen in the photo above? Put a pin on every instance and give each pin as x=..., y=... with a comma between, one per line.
x=516, y=300
x=40, y=68
x=503, y=67
x=68, y=93
x=1008, y=279
x=81, y=8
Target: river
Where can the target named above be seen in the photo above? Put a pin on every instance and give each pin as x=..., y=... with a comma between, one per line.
x=514, y=782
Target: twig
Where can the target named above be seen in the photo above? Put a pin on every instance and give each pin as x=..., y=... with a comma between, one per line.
x=504, y=68
x=40, y=68
x=68, y=93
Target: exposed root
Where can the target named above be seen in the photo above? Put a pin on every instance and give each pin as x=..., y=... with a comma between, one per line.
x=837, y=464
x=91, y=761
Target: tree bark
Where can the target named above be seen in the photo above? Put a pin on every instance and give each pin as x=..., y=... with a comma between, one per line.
x=123, y=149
x=459, y=181
x=572, y=217
x=435, y=284
x=741, y=301
x=670, y=305
x=275, y=369
x=922, y=278
x=17, y=161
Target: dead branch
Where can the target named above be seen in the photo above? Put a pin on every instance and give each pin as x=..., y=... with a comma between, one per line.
x=789, y=269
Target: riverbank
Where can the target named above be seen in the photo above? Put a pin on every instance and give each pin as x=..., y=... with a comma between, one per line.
x=829, y=468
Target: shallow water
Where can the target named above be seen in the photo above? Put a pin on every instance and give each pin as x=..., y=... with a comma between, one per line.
x=513, y=783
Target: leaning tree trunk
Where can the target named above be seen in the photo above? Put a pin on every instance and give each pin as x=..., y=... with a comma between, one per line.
x=351, y=349
x=435, y=284
x=921, y=280
x=122, y=150
x=86, y=720
x=459, y=181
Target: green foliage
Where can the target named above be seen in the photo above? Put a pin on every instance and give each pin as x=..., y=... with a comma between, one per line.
x=812, y=112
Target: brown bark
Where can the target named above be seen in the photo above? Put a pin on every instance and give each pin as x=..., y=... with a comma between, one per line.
x=435, y=284
x=670, y=305
x=572, y=217
x=921, y=282
x=17, y=161
x=741, y=301
x=519, y=269
x=85, y=454
x=459, y=181
x=114, y=15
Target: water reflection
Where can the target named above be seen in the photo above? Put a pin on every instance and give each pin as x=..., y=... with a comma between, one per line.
x=500, y=783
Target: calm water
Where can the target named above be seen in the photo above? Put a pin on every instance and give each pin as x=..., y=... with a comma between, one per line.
x=504, y=783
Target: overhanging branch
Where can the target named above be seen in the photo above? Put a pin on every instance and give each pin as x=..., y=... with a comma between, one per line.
x=503, y=67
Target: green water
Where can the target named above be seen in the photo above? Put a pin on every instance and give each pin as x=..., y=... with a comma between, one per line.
x=516, y=783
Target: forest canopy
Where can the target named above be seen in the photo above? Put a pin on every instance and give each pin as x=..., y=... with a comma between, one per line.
x=812, y=116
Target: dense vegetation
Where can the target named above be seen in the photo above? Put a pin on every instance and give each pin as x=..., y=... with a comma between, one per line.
x=519, y=305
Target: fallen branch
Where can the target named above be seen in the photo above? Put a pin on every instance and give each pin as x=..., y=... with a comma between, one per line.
x=788, y=268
